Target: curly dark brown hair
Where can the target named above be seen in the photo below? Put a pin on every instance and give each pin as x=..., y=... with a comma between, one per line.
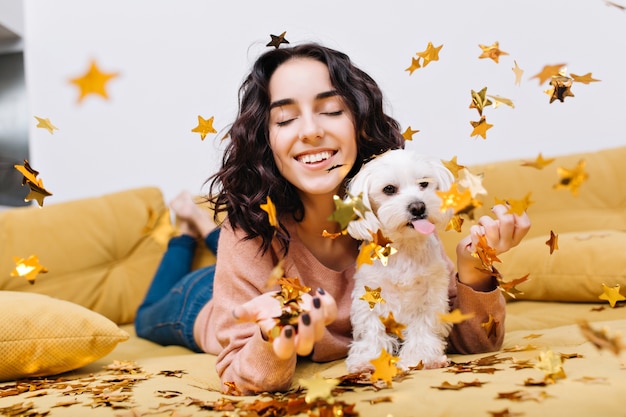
x=249, y=174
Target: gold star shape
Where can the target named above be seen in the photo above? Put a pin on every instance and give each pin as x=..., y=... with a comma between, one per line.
x=408, y=133
x=540, y=162
x=611, y=294
x=28, y=268
x=93, y=82
x=560, y=88
x=384, y=367
x=365, y=255
x=509, y=286
x=472, y=182
x=205, y=126
x=490, y=326
x=415, y=64
x=572, y=178
x=551, y=364
x=277, y=40
x=392, y=326
x=372, y=296
x=518, y=73
x=454, y=199
x=497, y=101
x=453, y=166
x=516, y=206
x=548, y=72
x=270, y=209
x=431, y=53
x=480, y=127
x=455, y=316
x=585, y=79
x=348, y=209
x=479, y=100
x=37, y=190
x=319, y=388
x=46, y=124
x=291, y=288
x=455, y=223
x=492, y=52
x=553, y=242
x=485, y=253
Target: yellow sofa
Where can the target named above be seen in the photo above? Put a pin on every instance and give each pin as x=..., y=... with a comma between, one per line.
x=100, y=254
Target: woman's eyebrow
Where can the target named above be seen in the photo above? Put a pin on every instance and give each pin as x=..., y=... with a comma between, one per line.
x=288, y=101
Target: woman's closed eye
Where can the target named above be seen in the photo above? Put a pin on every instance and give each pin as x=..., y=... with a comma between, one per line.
x=285, y=122
x=333, y=113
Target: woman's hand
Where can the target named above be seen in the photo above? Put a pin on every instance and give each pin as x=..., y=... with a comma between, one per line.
x=318, y=311
x=502, y=233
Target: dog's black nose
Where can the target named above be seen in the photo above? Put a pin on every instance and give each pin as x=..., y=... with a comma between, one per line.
x=417, y=209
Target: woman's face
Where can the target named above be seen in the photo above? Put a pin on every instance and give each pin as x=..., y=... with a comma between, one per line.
x=311, y=130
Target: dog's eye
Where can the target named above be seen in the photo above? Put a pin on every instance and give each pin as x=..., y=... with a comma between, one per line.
x=390, y=189
x=423, y=185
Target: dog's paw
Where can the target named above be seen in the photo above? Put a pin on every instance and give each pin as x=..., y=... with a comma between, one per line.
x=435, y=363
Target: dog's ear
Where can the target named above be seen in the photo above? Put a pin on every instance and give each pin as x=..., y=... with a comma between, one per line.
x=444, y=177
x=363, y=228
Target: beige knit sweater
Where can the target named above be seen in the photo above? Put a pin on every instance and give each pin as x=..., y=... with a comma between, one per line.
x=247, y=360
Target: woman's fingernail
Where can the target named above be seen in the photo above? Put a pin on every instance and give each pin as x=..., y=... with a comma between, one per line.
x=317, y=303
x=321, y=291
x=288, y=333
x=306, y=319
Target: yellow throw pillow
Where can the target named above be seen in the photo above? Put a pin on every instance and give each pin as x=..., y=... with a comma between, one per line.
x=41, y=335
x=574, y=272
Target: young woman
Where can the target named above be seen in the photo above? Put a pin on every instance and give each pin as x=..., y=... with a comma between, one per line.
x=308, y=120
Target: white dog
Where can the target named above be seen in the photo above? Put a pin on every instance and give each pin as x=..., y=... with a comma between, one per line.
x=398, y=189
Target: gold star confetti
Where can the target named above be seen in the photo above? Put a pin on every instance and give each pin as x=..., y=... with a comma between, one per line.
x=453, y=166
x=454, y=199
x=270, y=209
x=46, y=124
x=480, y=127
x=551, y=364
x=327, y=234
x=479, y=100
x=205, y=126
x=455, y=223
x=548, y=72
x=37, y=190
x=384, y=367
x=415, y=64
x=508, y=287
x=540, y=162
x=408, y=133
x=277, y=40
x=485, y=253
x=455, y=316
x=472, y=182
x=28, y=268
x=600, y=338
x=430, y=54
x=291, y=288
x=553, y=242
x=352, y=208
x=93, y=82
x=585, y=79
x=319, y=388
x=516, y=206
x=380, y=248
x=372, y=296
x=365, y=255
x=392, y=326
x=573, y=178
x=492, y=52
x=611, y=294
x=518, y=73
x=497, y=101
x=560, y=88
x=490, y=326
x=469, y=208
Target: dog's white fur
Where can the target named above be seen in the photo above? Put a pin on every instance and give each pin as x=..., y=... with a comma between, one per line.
x=415, y=281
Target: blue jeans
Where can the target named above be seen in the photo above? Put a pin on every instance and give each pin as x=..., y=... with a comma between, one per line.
x=176, y=294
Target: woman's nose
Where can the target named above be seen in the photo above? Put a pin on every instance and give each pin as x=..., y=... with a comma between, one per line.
x=310, y=128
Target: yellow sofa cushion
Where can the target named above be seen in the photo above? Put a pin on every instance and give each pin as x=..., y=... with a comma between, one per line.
x=41, y=335
x=100, y=252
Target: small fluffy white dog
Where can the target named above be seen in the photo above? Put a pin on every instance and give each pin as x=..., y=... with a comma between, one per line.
x=398, y=187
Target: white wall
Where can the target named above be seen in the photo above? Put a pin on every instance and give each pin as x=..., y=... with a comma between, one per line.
x=178, y=60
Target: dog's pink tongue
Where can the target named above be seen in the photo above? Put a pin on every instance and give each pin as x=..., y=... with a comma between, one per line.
x=423, y=226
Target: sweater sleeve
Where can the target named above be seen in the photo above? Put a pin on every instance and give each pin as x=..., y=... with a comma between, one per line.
x=246, y=359
x=484, y=332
